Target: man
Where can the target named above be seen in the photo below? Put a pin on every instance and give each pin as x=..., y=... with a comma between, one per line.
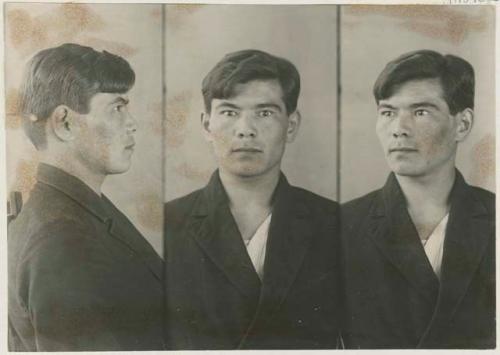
x=251, y=260
x=419, y=254
x=81, y=277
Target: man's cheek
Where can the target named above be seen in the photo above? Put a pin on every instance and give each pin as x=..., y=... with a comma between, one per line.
x=433, y=142
x=106, y=131
x=221, y=138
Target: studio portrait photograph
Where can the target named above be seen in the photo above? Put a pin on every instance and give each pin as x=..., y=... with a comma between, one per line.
x=260, y=176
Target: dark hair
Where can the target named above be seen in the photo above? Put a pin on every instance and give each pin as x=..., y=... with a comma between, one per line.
x=455, y=74
x=68, y=75
x=247, y=65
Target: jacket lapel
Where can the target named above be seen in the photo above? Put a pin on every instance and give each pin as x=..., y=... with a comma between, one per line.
x=124, y=231
x=289, y=237
x=467, y=236
x=119, y=226
x=213, y=227
x=395, y=235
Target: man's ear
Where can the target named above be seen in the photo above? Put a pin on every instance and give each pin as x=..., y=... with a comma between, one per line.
x=205, y=123
x=62, y=123
x=465, y=121
x=294, y=120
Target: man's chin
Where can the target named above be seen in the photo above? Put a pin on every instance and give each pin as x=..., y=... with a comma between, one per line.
x=247, y=171
x=118, y=169
x=405, y=170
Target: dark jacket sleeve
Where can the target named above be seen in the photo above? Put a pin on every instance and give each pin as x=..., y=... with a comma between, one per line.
x=63, y=285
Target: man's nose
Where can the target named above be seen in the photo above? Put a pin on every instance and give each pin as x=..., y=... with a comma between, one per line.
x=245, y=126
x=131, y=123
x=402, y=125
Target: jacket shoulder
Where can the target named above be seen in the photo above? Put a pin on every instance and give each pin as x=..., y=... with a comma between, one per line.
x=48, y=213
x=313, y=200
x=181, y=206
x=486, y=197
x=66, y=237
x=360, y=205
x=47, y=204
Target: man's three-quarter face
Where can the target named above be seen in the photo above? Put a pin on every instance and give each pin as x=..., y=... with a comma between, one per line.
x=416, y=129
x=249, y=130
x=105, y=136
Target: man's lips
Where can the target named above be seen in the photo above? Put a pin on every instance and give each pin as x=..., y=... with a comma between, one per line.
x=402, y=149
x=246, y=150
x=130, y=146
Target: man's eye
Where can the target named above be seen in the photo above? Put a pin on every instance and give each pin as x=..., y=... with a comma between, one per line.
x=119, y=108
x=386, y=113
x=228, y=113
x=265, y=113
x=421, y=112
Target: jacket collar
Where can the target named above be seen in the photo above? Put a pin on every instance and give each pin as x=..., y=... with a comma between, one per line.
x=395, y=235
x=215, y=230
x=118, y=225
x=74, y=188
x=467, y=236
x=215, y=196
x=290, y=233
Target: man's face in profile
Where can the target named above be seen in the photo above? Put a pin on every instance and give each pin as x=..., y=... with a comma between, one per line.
x=249, y=130
x=105, y=136
x=416, y=129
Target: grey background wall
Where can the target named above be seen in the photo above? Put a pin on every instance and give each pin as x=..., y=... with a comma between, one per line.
x=373, y=35
x=132, y=31
x=198, y=36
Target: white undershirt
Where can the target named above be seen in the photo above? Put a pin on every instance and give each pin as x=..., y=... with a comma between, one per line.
x=256, y=246
x=433, y=246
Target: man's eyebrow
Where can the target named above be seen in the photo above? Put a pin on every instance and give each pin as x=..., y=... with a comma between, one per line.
x=424, y=104
x=226, y=104
x=386, y=106
x=269, y=105
x=414, y=105
x=120, y=100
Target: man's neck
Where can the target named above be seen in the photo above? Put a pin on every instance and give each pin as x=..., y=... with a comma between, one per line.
x=255, y=190
x=427, y=198
x=429, y=191
x=90, y=178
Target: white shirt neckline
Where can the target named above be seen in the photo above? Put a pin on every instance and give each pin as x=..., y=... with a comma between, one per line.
x=256, y=246
x=433, y=246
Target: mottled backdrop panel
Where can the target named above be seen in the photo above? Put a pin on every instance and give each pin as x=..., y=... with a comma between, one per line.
x=371, y=36
x=129, y=30
x=198, y=36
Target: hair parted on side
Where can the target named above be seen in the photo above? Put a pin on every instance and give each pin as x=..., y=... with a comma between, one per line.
x=455, y=74
x=246, y=65
x=69, y=75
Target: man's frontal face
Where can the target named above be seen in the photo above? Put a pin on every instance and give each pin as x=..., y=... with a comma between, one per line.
x=105, y=140
x=416, y=130
x=248, y=131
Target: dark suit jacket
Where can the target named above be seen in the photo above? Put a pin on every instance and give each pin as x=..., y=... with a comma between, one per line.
x=81, y=277
x=393, y=297
x=215, y=298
